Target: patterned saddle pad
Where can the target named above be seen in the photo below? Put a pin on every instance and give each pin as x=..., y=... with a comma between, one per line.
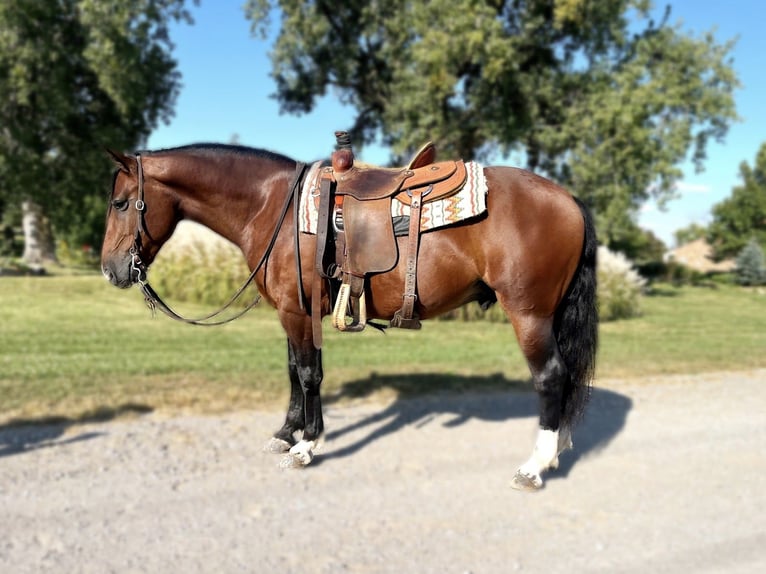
x=470, y=201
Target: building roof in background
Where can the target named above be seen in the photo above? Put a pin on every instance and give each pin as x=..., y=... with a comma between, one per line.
x=698, y=255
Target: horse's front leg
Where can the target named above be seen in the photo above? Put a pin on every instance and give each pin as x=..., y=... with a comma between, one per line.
x=284, y=439
x=304, y=412
x=306, y=361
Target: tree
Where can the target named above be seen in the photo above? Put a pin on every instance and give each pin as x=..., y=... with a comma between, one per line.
x=639, y=245
x=594, y=93
x=38, y=240
x=743, y=215
x=77, y=76
x=751, y=266
x=690, y=233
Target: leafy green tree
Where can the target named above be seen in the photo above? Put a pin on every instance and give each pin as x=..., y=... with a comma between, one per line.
x=751, y=265
x=690, y=233
x=639, y=245
x=743, y=215
x=77, y=76
x=594, y=93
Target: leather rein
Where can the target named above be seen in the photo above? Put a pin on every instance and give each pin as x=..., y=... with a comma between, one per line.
x=154, y=301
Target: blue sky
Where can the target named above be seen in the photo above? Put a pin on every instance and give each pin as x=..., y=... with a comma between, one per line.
x=227, y=90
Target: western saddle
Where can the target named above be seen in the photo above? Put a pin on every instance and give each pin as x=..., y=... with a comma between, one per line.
x=362, y=196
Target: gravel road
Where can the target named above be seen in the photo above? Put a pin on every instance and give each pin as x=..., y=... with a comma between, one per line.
x=668, y=475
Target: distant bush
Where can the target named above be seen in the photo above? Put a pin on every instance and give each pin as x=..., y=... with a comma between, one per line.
x=85, y=256
x=656, y=270
x=679, y=274
x=11, y=242
x=14, y=266
x=728, y=278
x=473, y=312
x=202, y=273
x=620, y=287
x=750, y=266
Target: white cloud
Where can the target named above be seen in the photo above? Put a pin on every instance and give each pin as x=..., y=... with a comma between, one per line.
x=684, y=187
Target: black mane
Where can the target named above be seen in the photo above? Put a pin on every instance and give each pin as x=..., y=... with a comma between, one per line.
x=219, y=148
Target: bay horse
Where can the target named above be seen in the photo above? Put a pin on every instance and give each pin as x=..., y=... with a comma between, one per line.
x=533, y=251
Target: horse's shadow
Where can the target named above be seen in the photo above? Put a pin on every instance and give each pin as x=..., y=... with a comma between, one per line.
x=488, y=398
x=19, y=436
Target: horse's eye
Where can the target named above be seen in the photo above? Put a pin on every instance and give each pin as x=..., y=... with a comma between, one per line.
x=120, y=204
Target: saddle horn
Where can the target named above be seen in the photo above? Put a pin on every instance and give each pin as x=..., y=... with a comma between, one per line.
x=343, y=156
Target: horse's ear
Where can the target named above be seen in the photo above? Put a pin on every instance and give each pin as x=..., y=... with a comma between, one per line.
x=122, y=161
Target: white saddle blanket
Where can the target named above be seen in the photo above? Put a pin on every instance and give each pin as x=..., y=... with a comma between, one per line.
x=470, y=201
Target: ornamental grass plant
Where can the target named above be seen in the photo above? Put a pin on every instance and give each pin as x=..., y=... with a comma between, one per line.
x=620, y=287
x=205, y=273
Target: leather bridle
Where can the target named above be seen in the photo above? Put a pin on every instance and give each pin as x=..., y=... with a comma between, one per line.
x=154, y=301
x=136, y=265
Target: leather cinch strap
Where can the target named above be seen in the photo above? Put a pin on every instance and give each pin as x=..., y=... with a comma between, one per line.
x=405, y=317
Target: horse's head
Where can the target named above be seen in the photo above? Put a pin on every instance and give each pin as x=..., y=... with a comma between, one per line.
x=141, y=216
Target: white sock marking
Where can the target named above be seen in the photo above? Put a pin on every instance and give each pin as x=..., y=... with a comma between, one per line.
x=303, y=451
x=543, y=455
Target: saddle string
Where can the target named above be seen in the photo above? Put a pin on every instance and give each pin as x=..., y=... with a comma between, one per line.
x=154, y=301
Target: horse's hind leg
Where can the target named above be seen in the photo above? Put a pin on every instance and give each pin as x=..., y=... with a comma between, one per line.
x=549, y=374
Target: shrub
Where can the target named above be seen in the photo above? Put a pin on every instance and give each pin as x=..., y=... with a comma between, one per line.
x=473, y=312
x=202, y=273
x=727, y=278
x=620, y=287
x=654, y=270
x=679, y=274
x=85, y=256
x=751, y=268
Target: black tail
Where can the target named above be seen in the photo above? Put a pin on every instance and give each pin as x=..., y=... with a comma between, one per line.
x=576, y=327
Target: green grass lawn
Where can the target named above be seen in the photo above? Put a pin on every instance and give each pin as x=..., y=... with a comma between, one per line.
x=75, y=347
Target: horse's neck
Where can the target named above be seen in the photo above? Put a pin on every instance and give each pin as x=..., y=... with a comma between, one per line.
x=221, y=210
x=226, y=197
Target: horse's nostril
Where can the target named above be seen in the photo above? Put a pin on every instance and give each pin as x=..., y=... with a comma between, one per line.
x=109, y=275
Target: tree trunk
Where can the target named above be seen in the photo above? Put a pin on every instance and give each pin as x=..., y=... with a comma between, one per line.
x=39, y=248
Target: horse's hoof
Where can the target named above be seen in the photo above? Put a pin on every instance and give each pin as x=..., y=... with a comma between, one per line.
x=277, y=446
x=526, y=482
x=299, y=455
x=290, y=462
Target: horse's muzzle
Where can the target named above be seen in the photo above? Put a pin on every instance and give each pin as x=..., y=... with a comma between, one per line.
x=118, y=272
